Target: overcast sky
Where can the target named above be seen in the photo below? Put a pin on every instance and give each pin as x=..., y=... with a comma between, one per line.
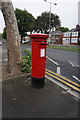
x=66, y=9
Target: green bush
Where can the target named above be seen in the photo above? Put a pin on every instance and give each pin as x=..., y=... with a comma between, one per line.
x=26, y=62
x=79, y=42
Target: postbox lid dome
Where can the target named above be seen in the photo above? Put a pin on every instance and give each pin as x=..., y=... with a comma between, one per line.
x=39, y=35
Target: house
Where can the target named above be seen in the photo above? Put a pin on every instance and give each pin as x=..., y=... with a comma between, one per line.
x=72, y=36
x=56, y=37
x=78, y=29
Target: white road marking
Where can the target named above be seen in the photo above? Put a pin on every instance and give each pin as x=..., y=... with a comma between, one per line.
x=52, y=60
x=76, y=78
x=77, y=65
x=58, y=70
x=71, y=63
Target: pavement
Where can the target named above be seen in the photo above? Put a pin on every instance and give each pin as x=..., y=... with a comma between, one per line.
x=21, y=100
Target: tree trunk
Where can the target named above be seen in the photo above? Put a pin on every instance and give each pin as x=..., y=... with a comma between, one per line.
x=13, y=39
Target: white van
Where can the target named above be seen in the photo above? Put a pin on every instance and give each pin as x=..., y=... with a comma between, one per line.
x=26, y=40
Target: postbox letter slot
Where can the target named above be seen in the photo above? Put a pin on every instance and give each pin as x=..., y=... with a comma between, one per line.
x=42, y=44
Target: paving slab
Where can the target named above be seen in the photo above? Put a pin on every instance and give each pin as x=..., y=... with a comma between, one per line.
x=21, y=100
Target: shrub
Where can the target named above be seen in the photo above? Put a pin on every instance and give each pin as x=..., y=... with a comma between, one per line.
x=26, y=62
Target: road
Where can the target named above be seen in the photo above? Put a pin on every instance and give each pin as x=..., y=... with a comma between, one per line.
x=66, y=60
x=64, y=63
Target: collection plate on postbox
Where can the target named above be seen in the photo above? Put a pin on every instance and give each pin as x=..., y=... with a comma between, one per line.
x=42, y=52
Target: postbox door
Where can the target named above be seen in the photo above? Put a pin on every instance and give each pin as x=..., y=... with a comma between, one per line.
x=42, y=59
x=38, y=59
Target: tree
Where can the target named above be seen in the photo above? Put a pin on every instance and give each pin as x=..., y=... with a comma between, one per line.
x=4, y=33
x=25, y=22
x=13, y=43
x=64, y=29
x=42, y=22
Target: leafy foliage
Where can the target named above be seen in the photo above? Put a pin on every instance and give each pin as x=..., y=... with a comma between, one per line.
x=42, y=22
x=26, y=62
x=4, y=36
x=25, y=21
x=64, y=29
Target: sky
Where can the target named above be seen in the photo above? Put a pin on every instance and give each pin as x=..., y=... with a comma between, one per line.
x=67, y=10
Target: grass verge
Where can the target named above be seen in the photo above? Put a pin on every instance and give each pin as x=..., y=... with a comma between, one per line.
x=69, y=48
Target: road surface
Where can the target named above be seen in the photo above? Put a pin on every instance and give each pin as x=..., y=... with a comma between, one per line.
x=65, y=63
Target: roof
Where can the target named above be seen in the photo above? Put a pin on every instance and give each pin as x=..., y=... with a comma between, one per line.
x=72, y=30
x=75, y=30
x=78, y=29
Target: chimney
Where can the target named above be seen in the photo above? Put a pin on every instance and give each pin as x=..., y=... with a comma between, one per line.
x=77, y=26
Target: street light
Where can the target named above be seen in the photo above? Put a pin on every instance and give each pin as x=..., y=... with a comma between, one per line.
x=50, y=16
x=0, y=4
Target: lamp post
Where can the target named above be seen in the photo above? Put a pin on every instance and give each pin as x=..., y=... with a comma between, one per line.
x=50, y=16
x=0, y=4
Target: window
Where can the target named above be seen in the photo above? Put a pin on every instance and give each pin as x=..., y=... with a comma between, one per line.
x=68, y=35
x=75, y=34
x=72, y=34
x=64, y=35
x=74, y=40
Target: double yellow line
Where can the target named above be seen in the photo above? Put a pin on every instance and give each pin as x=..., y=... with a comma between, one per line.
x=64, y=80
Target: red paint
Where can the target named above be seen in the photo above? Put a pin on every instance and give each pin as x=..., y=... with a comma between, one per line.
x=38, y=63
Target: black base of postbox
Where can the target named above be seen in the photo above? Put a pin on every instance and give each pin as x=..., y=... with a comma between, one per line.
x=38, y=82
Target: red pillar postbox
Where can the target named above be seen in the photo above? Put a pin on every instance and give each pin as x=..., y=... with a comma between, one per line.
x=39, y=43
